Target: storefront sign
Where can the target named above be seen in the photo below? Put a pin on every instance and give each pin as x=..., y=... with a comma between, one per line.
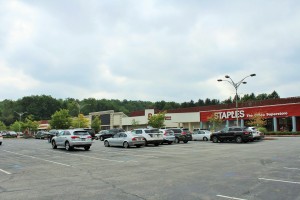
x=168, y=118
x=246, y=113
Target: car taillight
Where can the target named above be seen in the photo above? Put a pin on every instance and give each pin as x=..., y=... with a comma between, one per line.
x=165, y=133
x=74, y=137
x=89, y=136
x=183, y=133
x=246, y=133
x=133, y=139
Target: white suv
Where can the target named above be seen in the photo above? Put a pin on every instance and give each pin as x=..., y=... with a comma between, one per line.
x=152, y=136
x=72, y=138
x=257, y=135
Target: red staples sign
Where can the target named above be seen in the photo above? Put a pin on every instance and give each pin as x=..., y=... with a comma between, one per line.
x=287, y=110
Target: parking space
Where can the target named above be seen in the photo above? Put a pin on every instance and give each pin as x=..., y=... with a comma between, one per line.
x=31, y=169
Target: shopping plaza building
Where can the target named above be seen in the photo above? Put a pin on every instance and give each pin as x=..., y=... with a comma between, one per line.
x=280, y=114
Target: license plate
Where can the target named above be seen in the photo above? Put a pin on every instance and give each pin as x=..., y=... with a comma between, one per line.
x=82, y=139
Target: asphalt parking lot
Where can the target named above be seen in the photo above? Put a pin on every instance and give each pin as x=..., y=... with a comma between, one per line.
x=270, y=169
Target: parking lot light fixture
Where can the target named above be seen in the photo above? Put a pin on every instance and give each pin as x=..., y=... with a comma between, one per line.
x=20, y=114
x=236, y=86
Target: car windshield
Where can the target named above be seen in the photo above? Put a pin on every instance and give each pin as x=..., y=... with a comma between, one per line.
x=81, y=133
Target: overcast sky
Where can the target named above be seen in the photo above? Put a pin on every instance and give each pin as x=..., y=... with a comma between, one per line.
x=152, y=50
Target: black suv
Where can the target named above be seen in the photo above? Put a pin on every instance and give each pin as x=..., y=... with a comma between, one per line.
x=109, y=133
x=234, y=133
x=181, y=135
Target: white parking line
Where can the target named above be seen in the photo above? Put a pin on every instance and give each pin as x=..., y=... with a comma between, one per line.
x=227, y=197
x=6, y=172
x=292, y=168
x=96, y=158
x=282, y=181
x=38, y=158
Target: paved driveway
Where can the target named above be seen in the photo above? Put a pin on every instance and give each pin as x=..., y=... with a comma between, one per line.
x=270, y=169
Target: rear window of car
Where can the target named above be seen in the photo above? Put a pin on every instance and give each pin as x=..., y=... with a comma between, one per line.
x=176, y=130
x=81, y=133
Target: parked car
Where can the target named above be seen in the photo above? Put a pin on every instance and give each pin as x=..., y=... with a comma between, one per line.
x=91, y=132
x=234, y=133
x=201, y=135
x=152, y=135
x=125, y=140
x=12, y=134
x=52, y=133
x=1, y=139
x=72, y=138
x=168, y=136
x=109, y=133
x=3, y=133
x=41, y=135
x=180, y=135
x=256, y=134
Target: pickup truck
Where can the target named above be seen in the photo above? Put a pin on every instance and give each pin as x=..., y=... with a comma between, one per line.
x=234, y=133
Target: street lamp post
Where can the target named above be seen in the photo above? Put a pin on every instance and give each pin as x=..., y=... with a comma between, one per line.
x=20, y=114
x=236, y=86
x=79, y=108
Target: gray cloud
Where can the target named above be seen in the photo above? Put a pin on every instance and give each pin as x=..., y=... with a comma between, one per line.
x=148, y=50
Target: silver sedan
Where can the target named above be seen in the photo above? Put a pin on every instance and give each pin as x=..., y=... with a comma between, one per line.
x=125, y=140
x=201, y=135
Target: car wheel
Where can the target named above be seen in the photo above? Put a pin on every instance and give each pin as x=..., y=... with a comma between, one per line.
x=0, y=143
x=106, y=143
x=238, y=139
x=125, y=145
x=214, y=139
x=176, y=140
x=156, y=144
x=54, y=145
x=87, y=148
x=170, y=142
x=205, y=139
x=185, y=141
x=68, y=147
x=101, y=138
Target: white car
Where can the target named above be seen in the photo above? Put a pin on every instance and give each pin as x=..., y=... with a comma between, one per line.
x=168, y=136
x=125, y=140
x=1, y=139
x=152, y=136
x=257, y=135
x=201, y=135
x=72, y=138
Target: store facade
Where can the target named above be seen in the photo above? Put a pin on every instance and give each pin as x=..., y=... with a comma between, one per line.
x=285, y=117
x=280, y=115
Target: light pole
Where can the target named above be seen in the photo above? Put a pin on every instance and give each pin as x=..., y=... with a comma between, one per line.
x=236, y=86
x=79, y=108
x=20, y=114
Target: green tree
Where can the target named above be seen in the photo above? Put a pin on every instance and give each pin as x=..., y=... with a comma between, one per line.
x=2, y=126
x=96, y=124
x=61, y=119
x=158, y=120
x=135, y=123
x=16, y=126
x=216, y=121
x=80, y=122
x=257, y=120
x=30, y=124
x=273, y=95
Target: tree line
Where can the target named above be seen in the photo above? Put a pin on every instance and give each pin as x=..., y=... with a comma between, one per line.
x=42, y=107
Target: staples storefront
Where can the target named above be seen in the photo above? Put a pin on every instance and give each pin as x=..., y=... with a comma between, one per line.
x=284, y=117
